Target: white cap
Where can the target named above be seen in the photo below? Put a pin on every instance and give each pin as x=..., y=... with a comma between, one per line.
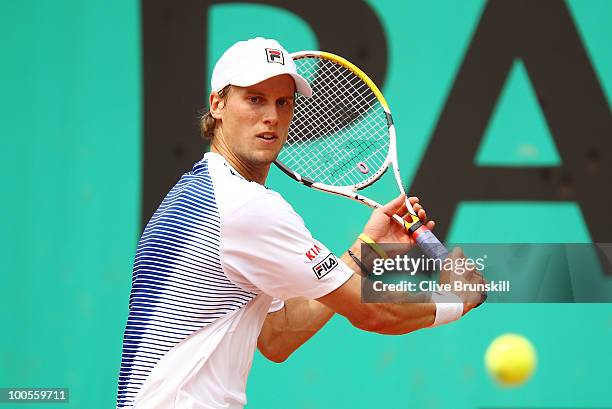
x=250, y=62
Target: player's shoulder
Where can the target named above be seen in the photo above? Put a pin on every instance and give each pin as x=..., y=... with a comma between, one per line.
x=234, y=192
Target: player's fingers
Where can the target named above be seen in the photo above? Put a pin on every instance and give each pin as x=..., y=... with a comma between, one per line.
x=418, y=208
x=422, y=214
x=402, y=210
x=430, y=225
x=394, y=205
x=414, y=203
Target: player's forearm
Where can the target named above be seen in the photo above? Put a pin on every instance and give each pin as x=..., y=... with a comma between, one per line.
x=286, y=330
x=397, y=313
x=397, y=319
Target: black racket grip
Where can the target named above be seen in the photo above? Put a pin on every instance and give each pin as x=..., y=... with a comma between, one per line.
x=433, y=248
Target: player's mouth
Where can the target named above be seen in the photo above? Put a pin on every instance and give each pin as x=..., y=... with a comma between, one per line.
x=268, y=137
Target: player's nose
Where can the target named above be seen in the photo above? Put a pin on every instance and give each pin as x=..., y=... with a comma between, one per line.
x=271, y=114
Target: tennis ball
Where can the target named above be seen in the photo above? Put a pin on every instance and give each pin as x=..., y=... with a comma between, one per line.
x=510, y=359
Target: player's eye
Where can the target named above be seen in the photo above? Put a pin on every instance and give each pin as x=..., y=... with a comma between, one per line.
x=284, y=102
x=254, y=99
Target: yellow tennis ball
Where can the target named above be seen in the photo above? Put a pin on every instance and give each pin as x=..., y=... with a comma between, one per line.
x=510, y=359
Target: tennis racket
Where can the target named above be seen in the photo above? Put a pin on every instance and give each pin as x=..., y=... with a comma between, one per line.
x=342, y=139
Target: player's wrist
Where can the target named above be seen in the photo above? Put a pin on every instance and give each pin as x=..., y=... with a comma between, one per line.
x=357, y=265
x=449, y=307
x=373, y=245
x=360, y=262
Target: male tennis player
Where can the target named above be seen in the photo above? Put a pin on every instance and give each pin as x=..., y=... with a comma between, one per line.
x=225, y=265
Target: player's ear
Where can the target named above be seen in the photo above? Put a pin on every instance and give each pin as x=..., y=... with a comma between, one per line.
x=216, y=105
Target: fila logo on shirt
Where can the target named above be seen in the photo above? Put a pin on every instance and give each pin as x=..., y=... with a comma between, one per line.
x=275, y=56
x=328, y=264
x=312, y=253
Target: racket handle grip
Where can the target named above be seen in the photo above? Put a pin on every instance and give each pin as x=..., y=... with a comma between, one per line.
x=429, y=243
x=433, y=248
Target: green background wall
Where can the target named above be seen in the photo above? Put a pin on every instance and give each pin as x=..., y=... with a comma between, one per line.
x=70, y=123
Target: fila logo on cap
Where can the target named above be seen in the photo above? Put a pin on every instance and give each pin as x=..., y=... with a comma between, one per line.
x=275, y=56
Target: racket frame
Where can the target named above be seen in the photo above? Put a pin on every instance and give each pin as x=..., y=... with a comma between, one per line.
x=421, y=234
x=411, y=222
x=350, y=191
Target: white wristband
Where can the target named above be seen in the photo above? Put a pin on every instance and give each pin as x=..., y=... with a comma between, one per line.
x=449, y=307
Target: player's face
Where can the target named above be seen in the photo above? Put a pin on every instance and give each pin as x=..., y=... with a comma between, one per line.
x=255, y=120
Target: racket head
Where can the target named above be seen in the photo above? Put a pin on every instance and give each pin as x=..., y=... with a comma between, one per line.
x=343, y=135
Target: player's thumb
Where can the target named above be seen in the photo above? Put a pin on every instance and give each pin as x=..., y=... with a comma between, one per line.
x=394, y=205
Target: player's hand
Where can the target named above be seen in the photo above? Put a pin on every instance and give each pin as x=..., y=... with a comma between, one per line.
x=461, y=274
x=383, y=229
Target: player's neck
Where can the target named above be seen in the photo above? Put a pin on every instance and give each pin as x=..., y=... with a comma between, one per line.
x=251, y=173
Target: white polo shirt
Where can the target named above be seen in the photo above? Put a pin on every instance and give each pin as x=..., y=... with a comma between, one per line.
x=215, y=258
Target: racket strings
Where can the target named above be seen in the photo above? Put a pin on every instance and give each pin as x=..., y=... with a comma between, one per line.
x=333, y=121
x=342, y=125
x=325, y=113
x=358, y=91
